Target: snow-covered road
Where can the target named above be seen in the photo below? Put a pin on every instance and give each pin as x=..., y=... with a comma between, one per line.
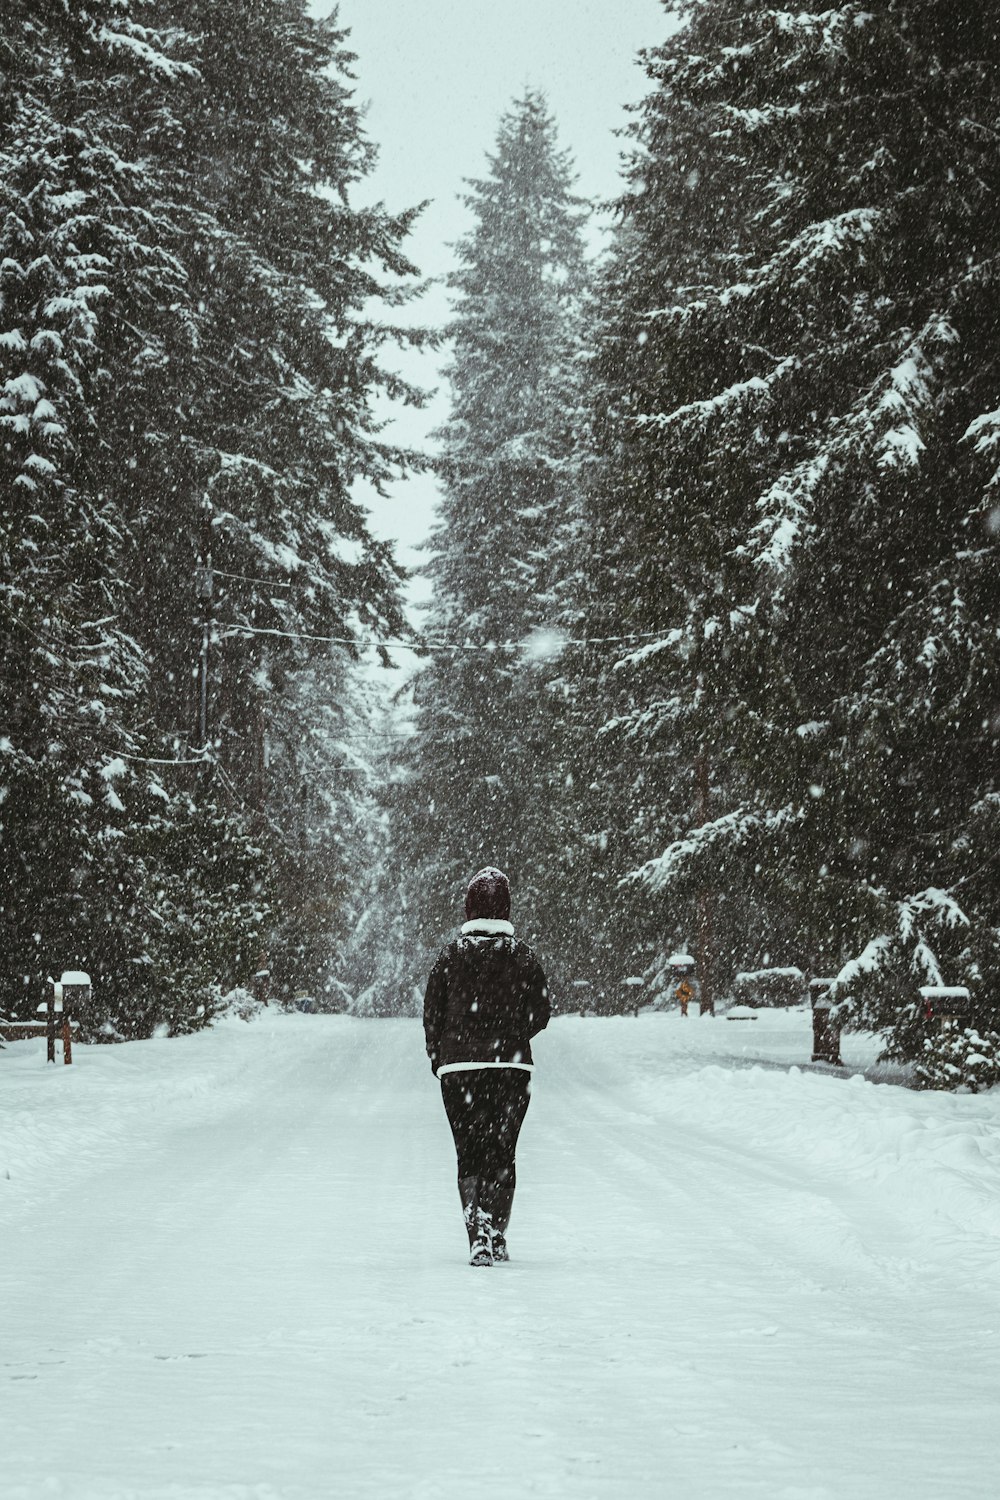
x=232, y=1268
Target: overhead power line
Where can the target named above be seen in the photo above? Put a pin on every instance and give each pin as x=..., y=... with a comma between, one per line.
x=268, y=583
x=487, y=648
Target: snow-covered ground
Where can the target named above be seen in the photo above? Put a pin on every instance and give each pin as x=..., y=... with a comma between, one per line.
x=232, y=1268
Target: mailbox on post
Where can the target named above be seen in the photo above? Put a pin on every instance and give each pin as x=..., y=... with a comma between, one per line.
x=948, y=1004
x=685, y=987
x=71, y=995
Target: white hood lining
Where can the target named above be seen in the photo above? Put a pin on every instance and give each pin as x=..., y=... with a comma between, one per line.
x=488, y=927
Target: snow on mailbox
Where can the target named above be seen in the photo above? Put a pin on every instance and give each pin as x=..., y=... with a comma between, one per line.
x=686, y=988
x=946, y=1003
x=76, y=989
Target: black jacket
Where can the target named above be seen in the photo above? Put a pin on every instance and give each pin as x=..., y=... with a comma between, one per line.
x=486, y=998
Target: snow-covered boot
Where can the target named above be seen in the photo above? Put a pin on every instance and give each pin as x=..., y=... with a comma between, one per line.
x=468, y=1189
x=500, y=1201
x=481, y=1252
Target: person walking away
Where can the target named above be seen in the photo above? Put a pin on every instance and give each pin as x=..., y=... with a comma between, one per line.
x=487, y=996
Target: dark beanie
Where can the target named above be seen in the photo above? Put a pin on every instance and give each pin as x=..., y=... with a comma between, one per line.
x=488, y=896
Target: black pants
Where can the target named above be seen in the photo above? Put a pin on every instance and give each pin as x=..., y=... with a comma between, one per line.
x=486, y=1109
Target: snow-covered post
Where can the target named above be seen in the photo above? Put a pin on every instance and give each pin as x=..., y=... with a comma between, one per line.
x=75, y=990
x=633, y=999
x=262, y=981
x=826, y=1027
x=50, y=1006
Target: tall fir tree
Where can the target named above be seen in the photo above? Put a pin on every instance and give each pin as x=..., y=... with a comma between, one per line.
x=486, y=776
x=274, y=428
x=80, y=257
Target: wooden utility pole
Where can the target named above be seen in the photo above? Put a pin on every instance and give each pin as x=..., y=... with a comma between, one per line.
x=706, y=898
x=262, y=980
x=203, y=585
x=50, y=1028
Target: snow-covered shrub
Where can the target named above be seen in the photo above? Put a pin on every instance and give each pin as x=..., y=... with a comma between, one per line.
x=240, y=1003
x=884, y=999
x=966, y=1060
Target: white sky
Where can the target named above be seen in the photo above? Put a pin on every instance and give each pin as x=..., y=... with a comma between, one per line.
x=436, y=75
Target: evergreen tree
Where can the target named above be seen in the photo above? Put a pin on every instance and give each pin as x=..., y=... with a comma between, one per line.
x=270, y=424
x=270, y=427
x=645, y=741
x=486, y=776
x=386, y=979
x=79, y=257
x=805, y=421
x=188, y=364
x=327, y=836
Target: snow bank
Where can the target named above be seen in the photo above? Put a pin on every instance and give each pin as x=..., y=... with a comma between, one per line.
x=934, y=1157
x=60, y=1124
x=941, y=1147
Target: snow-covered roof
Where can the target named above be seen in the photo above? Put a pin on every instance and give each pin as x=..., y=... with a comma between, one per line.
x=944, y=991
x=74, y=976
x=680, y=958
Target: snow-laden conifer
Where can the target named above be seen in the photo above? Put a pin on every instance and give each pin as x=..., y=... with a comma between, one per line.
x=489, y=775
x=188, y=358
x=803, y=393
x=80, y=264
